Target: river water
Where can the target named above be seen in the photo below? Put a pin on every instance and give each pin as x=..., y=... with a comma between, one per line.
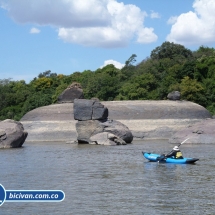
x=110, y=179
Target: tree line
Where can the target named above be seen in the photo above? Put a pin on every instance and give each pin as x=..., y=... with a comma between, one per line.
x=169, y=67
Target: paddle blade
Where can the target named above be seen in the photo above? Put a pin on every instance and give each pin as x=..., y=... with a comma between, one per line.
x=183, y=141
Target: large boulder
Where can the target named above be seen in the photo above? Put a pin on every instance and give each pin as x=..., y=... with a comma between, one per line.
x=74, y=91
x=174, y=95
x=89, y=128
x=12, y=134
x=118, y=129
x=93, y=119
x=85, y=109
x=86, y=129
x=202, y=132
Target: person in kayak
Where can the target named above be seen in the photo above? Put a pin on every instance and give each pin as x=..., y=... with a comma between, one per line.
x=175, y=153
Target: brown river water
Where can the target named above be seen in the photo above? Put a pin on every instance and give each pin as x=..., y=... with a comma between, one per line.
x=110, y=179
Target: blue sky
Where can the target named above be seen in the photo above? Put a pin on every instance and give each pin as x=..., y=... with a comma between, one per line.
x=66, y=36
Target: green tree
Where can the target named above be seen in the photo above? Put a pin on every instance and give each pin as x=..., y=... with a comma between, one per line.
x=42, y=83
x=47, y=73
x=103, y=86
x=36, y=100
x=128, y=70
x=205, y=67
x=192, y=90
x=203, y=51
x=109, y=69
x=139, y=88
x=4, y=90
x=170, y=50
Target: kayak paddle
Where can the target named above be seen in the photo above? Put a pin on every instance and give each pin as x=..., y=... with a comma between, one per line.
x=183, y=142
x=162, y=157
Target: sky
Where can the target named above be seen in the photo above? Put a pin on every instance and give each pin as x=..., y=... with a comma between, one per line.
x=66, y=36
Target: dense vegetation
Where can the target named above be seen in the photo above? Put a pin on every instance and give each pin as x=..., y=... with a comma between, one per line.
x=169, y=67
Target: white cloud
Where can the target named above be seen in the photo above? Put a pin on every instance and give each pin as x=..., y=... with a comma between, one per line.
x=115, y=63
x=97, y=37
x=195, y=28
x=101, y=23
x=154, y=15
x=146, y=35
x=126, y=22
x=34, y=31
x=172, y=20
x=63, y=13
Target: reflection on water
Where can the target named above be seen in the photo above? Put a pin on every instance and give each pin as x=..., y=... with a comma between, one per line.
x=110, y=180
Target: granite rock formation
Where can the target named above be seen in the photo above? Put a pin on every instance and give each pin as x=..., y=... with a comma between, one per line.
x=74, y=91
x=93, y=119
x=146, y=119
x=12, y=134
x=202, y=132
x=160, y=119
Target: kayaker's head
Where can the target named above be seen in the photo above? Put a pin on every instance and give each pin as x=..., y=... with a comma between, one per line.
x=176, y=148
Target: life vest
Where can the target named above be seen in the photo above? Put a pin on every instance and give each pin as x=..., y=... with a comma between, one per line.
x=178, y=155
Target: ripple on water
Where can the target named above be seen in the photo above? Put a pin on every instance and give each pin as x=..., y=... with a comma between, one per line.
x=110, y=180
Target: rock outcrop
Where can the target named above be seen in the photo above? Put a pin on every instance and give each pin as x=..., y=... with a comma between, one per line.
x=202, y=132
x=146, y=119
x=12, y=134
x=93, y=119
x=156, y=119
x=174, y=95
x=50, y=123
x=74, y=91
